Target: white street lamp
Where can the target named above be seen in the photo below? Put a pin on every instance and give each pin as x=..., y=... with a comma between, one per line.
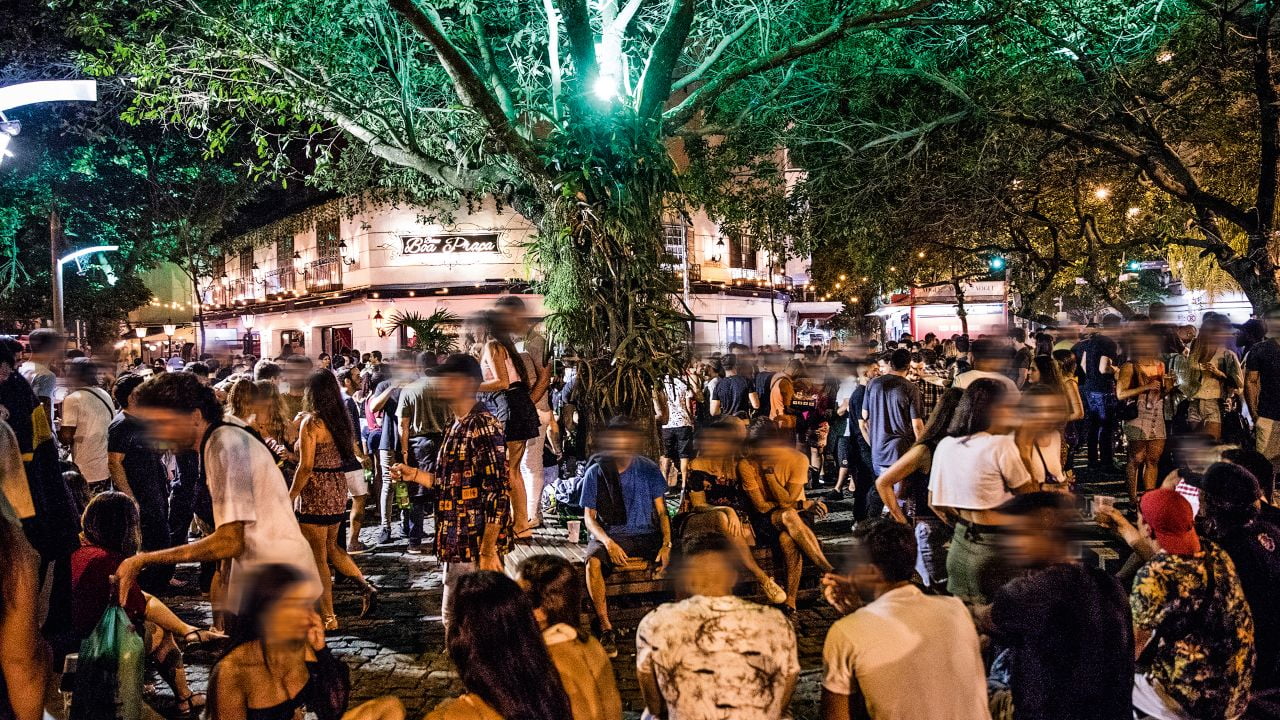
x=57, y=277
x=28, y=93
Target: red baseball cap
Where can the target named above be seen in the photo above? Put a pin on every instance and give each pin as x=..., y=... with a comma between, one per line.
x=1169, y=516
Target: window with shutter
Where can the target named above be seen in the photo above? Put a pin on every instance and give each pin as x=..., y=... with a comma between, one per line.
x=327, y=238
x=742, y=252
x=675, y=241
x=284, y=252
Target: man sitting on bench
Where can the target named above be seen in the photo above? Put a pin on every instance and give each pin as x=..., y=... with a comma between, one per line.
x=626, y=514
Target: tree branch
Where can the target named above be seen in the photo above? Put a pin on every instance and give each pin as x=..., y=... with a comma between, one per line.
x=496, y=81
x=655, y=81
x=837, y=30
x=1159, y=174
x=397, y=155
x=623, y=19
x=582, y=41
x=696, y=74
x=1269, y=130
x=470, y=87
x=553, y=54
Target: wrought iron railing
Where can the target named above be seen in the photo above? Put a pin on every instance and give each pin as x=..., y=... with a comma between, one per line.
x=324, y=274
x=280, y=282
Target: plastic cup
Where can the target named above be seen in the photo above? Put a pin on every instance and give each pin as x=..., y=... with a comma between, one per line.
x=1101, y=502
x=575, y=531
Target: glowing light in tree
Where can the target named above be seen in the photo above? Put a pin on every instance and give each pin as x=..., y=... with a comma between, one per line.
x=605, y=88
x=1102, y=192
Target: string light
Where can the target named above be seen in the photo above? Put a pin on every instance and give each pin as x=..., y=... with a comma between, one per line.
x=920, y=254
x=1102, y=192
x=1133, y=212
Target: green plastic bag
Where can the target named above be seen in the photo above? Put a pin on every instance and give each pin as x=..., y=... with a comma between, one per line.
x=108, y=683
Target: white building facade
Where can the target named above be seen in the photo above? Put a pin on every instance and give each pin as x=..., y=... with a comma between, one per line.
x=338, y=282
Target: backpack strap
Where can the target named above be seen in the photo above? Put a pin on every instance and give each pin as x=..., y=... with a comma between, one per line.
x=208, y=433
x=110, y=409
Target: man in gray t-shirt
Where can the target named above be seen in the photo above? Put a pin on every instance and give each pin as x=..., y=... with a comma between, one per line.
x=893, y=412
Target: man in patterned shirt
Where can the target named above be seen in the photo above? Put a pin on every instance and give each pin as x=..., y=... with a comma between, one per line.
x=473, y=506
x=1192, y=625
x=714, y=656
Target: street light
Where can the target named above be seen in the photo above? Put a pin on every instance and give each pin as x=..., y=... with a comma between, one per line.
x=57, y=277
x=29, y=93
x=169, y=330
x=141, y=332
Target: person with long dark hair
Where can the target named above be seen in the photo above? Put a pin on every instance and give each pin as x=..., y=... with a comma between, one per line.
x=904, y=489
x=1208, y=376
x=326, y=452
x=505, y=392
x=502, y=660
x=976, y=468
x=555, y=589
x=277, y=666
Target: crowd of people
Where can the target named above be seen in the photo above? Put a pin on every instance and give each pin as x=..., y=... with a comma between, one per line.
x=964, y=581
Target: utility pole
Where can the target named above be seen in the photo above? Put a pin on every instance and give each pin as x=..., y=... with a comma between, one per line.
x=55, y=243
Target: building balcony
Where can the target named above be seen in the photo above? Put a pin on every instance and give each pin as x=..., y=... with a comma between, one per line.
x=280, y=283
x=323, y=275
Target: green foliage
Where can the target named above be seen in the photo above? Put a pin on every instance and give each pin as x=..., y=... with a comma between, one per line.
x=431, y=333
x=566, y=109
x=149, y=191
x=613, y=301
x=1066, y=135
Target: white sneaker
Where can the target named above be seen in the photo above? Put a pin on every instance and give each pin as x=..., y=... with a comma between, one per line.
x=773, y=591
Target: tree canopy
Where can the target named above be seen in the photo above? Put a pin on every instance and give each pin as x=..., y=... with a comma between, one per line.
x=1070, y=136
x=154, y=194
x=568, y=108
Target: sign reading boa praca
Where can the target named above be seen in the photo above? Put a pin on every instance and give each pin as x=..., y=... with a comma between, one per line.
x=448, y=244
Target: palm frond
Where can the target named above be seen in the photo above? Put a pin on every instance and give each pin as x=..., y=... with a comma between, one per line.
x=431, y=333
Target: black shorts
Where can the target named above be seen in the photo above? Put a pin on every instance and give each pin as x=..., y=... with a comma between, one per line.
x=515, y=410
x=645, y=547
x=677, y=443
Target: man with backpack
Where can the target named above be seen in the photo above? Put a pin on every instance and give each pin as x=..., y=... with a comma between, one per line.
x=253, y=515
x=86, y=415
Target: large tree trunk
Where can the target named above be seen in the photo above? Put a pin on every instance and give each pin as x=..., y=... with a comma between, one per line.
x=610, y=299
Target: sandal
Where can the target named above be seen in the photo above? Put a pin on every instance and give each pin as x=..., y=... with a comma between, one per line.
x=368, y=598
x=188, y=707
x=330, y=622
x=199, y=638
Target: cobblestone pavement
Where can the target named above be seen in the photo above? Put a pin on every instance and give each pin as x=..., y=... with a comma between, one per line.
x=399, y=649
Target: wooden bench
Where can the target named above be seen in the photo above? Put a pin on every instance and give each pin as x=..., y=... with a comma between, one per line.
x=641, y=580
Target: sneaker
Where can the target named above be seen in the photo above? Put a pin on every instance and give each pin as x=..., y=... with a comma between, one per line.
x=773, y=591
x=355, y=547
x=414, y=549
x=609, y=641
x=384, y=537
